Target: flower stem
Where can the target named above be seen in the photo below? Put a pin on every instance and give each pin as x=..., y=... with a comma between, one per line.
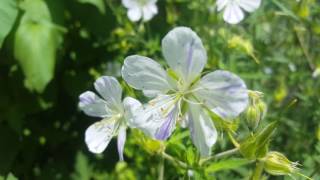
x=258, y=171
x=172, y=159
x=161, y=169
x=302, y=175
x=219, y=155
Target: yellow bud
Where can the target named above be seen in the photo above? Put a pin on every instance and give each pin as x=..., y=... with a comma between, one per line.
x=277, y=164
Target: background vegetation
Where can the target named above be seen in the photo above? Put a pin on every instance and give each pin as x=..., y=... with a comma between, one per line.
x=53, y=50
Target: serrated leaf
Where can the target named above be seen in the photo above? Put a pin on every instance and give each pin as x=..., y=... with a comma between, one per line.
x=36, y=41
x=97, y=3
x=8, y=15
x=227, y=164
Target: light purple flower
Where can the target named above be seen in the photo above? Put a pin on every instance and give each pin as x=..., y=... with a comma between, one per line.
x=233, y=10
x=116, y=115
x=181, y=85
x=140, y=9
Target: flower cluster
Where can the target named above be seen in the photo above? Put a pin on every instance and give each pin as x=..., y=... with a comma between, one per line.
x=180, y=96
x=233, y=10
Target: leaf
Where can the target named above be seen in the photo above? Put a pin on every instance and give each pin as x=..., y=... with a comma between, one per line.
x=83, y=170
x=227, y=164
x=36, y=41
x=8, y=15
x=11, y=177
x=97, y=3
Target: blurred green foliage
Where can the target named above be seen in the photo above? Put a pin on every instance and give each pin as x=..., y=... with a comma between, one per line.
x=55, y=49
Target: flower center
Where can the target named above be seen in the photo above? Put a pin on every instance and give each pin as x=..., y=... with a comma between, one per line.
x=142, y=2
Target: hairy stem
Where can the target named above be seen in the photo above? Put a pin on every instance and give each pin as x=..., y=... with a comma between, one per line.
x=219, y=155
x=174, y=160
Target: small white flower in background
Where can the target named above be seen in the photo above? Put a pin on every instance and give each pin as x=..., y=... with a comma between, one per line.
x=115, y=114
x=233, y=9
x=182, y=86
x=140, y=9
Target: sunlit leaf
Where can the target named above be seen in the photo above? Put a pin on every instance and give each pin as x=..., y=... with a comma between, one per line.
x=8, y=15
x=36, y=41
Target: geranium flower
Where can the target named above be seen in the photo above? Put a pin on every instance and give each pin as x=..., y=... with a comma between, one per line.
x=181, y=95
x=138, y=9
x=233, y=9
x=116, y=115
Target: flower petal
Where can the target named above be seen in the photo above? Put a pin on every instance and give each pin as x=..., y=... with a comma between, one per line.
x=145, y=74
x=110, y=89
x=184, y=52
x=94, y=106
x=223, y=92
x=122, y=135
x=159, y=117
x=134, y=14
x=222, y=4
x=233, y=14
x=149, y=11
x=99, y=134
x=250, y=5
x=132, y=108
x=203, y=132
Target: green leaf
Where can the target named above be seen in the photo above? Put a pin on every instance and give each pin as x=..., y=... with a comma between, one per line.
x=227, y=164
x=257, y=145
x=11, y=177
x=97, y=3
x=83, y=170
x=36, y=41
x=8, y=15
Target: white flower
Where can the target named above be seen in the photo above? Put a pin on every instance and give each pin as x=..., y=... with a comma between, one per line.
x=115, y=114
x=233, y=9
x=138, y=9
x=182, y=86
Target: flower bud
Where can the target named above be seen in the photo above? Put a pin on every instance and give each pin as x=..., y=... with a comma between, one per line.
x=253, y=117
x=277, y=164
x=262, y=108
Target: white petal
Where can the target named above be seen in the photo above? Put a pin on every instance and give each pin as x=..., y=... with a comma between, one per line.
x=203, y=132
x=250, y=5
x=233, y=14
x=132, y=108
x=99, y=134
x=94, y=106
x=110, y=89
x=223, y=92
x=149, y=11
x=159, y=117
x=222, y=4
x=122, y=135
x=134, y=14
x=145, y=74
x=184, y=52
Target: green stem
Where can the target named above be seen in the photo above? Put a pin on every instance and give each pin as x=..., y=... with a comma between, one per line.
x=258, y=171
x=219, y=155
x=172, y=159
x=161, y=169
x=302, y=175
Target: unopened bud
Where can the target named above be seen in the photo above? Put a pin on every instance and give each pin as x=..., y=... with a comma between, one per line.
x=253, y=117
x=277, y=164
x=263, y=109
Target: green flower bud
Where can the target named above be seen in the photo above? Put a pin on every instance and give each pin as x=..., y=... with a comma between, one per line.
x=277, y=164
x=253, y=117
x=262, y=108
